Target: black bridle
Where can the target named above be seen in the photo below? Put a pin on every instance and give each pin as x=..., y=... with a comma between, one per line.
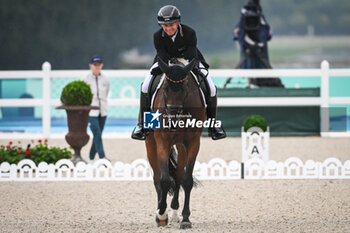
x=176, y=82
x=170, y=73
x=177, y=108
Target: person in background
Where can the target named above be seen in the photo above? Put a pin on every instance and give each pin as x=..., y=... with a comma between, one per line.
x=253, y=32
x=100, y=86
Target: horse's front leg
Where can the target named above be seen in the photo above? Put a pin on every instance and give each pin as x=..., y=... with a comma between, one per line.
x=164, y=185
x=152, y=155
x=181, y=161
x=187, y=182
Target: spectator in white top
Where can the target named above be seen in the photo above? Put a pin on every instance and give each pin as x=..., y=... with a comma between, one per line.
x=100, y=86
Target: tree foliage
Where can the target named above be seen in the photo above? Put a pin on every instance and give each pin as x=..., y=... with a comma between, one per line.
x=67, y=33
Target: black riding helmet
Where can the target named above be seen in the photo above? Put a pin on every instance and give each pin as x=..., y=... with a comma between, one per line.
x=168, y=14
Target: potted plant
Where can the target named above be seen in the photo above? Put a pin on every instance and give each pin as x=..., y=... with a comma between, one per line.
x=76, y=98
x=255, y=138
x=255, y=121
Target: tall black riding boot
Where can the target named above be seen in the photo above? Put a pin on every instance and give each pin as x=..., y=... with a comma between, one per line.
x=215, y=133
x=139, y=132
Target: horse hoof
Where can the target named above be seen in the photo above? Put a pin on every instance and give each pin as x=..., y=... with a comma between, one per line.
x=161, y=223
x=161, y=220
x=185, y=225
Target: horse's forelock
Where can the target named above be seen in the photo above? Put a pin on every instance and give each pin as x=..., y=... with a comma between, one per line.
x=176, y=73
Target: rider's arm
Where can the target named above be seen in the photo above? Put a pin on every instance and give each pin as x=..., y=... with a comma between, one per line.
x=240, y=24
x=159, y=45
x=239, y=28
x=191, y=51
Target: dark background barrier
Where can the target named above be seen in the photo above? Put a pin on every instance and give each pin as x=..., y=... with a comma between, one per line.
x=283, y=121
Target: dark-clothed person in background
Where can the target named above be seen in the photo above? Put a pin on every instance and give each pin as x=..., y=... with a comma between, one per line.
x=251, y=31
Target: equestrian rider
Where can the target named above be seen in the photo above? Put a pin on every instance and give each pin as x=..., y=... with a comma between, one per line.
x=175, y=40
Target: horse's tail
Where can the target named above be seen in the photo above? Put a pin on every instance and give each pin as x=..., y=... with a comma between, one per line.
x=172, y=170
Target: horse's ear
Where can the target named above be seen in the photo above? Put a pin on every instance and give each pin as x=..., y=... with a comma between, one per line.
x=190, y=66
x=162, y=65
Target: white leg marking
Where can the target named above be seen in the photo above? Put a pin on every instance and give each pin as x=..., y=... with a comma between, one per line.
x=163, y=216
x=174, y=216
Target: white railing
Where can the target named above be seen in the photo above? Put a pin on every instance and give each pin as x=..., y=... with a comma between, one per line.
x=215, y=169
x=323, y=101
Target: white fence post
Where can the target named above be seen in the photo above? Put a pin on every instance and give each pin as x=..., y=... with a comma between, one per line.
x=324, y=97
x=46, y=117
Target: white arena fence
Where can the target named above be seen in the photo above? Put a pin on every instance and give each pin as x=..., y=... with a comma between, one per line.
x=324, y=101
x=139, y=170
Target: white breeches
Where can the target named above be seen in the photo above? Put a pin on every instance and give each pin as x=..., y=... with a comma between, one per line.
x=148, y=79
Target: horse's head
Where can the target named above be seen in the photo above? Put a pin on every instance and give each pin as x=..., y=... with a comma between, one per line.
x=176, y=74
x=175, y=84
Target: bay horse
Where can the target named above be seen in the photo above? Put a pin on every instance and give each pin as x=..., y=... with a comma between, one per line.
x=172, y=151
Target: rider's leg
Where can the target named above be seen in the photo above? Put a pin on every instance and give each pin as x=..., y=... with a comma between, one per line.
x=148, y=79
x=139, y=132
x=207, y=78
x=214, y=132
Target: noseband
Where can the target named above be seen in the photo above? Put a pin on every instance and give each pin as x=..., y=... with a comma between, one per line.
x=173, y=107
x=178, y=108
x=176, y=82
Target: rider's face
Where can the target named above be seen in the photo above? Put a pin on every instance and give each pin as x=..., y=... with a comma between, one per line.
x=170, y=28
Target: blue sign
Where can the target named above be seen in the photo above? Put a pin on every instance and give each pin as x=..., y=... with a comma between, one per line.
x=151, y=120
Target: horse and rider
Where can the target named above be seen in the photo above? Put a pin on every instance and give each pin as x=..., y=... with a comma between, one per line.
x=172, y=152
x=176, y=40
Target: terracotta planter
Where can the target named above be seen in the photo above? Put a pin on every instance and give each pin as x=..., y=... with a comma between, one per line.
x=78, y=118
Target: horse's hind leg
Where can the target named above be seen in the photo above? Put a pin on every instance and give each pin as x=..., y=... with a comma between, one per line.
x=187, y=182
x=174, y=216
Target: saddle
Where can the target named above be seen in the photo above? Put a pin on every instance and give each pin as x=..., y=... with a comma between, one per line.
x=202, y=84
